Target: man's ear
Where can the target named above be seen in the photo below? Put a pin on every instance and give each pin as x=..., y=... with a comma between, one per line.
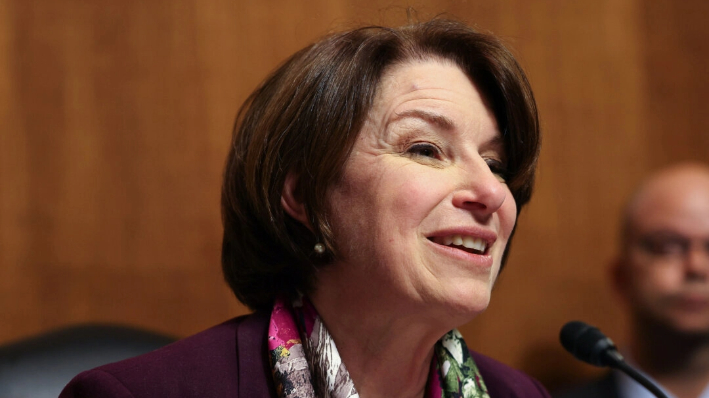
x=619, y=277
x=292, y=200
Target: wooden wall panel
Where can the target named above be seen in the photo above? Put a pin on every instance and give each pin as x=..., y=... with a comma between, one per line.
x=115, y=118
x=676, y=60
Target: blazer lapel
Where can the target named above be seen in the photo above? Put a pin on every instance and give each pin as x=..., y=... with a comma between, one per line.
x=255, y=378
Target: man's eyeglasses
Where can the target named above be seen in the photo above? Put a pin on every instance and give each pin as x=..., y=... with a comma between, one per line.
x=669, y=245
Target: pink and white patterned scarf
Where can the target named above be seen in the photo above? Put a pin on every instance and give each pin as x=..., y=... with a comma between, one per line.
x=306, y=364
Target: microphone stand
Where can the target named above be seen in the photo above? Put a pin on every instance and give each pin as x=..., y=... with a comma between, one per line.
x=617, y=361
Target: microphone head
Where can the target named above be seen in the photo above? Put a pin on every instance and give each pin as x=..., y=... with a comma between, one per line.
x=588, y=344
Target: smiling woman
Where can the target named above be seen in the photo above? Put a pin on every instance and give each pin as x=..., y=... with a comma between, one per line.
x=369, y=198
x=419, y=175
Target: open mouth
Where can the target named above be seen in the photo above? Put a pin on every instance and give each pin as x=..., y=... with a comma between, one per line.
x=462, y=242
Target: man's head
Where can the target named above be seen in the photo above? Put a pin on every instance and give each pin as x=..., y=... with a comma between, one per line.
x=663, y=269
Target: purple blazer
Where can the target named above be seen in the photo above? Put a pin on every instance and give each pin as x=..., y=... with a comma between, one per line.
x=230, y=360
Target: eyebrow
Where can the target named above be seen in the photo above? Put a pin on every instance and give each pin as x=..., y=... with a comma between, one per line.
x=430, y=117
x=497, y=141
x=443, y=122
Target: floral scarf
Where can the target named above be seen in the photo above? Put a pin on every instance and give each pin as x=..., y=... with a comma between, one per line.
x=306, y=364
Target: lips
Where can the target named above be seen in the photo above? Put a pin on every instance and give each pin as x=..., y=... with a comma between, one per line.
x=470, y=244
x=693, y=302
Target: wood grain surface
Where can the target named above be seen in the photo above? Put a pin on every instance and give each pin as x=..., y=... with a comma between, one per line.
x=115, y=118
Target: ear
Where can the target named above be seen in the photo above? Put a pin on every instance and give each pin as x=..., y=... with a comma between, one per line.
x=618, y=273
x=292, y=200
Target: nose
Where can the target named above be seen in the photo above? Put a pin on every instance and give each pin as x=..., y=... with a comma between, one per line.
x=697, y=261
x=480, y=191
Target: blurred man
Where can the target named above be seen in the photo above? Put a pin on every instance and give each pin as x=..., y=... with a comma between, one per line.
x=662, y=275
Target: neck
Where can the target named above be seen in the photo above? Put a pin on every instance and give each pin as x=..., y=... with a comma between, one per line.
x=677, y=360
x=387, y=351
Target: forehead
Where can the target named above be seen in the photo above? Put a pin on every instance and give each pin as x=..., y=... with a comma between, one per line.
x=435, y=84
x=679, y=204
x=422, y=74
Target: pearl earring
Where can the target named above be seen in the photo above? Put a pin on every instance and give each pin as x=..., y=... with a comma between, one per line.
x=319, y=248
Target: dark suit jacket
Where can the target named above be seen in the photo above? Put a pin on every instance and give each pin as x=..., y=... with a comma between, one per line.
x=230, y=360
x=605, y=387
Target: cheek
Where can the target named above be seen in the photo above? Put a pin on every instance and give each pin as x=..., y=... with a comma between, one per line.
x=349, y=205
x=657, y=280
x=379, y=200
x=414, y=195
x=508, y=215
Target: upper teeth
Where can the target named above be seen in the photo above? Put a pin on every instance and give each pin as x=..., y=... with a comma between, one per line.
x=466, y=241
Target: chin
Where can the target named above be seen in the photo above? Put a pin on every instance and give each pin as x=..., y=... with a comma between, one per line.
x=691, y=325
x=677, y=323
x=464, y=304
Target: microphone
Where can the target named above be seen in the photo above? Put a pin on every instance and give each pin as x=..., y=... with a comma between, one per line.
x=588, y=344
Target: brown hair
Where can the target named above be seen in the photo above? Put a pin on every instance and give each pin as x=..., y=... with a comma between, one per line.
x=304, y=118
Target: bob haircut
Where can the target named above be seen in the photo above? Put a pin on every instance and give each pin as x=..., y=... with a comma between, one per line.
x=304, y=119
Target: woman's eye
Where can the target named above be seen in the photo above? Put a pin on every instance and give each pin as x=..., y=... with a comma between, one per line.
x=498, y=169
x=425, y=150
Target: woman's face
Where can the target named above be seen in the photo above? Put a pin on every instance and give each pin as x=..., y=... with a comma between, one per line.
x=421, y=215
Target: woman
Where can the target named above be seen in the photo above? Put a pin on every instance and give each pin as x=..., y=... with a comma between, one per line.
x=369, y=197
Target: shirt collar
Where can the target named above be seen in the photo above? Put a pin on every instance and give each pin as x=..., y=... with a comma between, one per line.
x=629, y=388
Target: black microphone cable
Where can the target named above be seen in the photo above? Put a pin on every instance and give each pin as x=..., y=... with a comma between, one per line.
x=590, y=345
